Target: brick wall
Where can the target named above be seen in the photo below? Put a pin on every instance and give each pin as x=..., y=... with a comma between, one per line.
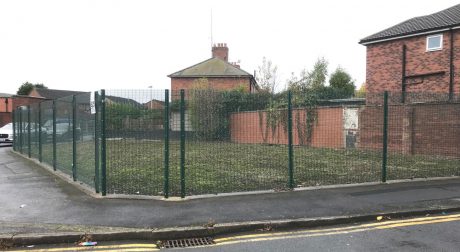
x=432, y=129
x=222, y=83
x=5, y=118
x=6, y=104
x=251, y=127
x=25, y=100
x=384, y=65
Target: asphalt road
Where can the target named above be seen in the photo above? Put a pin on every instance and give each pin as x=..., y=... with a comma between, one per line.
x=430, y=233
x=433, y=233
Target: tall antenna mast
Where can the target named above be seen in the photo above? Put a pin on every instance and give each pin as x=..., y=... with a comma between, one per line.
x=211, y=30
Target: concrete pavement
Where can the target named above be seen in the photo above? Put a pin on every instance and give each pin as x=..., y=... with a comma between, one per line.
x=46, y=199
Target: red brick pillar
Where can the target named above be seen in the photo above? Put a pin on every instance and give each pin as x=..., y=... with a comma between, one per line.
x=408, y=130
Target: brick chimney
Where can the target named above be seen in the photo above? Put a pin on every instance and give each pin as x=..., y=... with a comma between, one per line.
x=220, y=50
x=235, y=64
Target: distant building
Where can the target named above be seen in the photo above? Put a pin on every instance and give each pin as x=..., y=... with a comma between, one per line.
x=219, y=74
x=9, y=102
x=52, y=94
x=154, y=104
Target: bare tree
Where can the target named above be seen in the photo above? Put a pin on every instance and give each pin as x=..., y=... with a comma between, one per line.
x=267, y=76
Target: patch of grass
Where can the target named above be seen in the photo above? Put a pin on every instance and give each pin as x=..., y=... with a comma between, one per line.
x=137, y=167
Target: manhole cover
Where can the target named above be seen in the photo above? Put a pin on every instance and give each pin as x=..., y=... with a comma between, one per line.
x=183, y=243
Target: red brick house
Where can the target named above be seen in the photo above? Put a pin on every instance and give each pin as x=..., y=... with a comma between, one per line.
x=419, y=55
x=154, y=104
x=9, y=102
x=219, y=73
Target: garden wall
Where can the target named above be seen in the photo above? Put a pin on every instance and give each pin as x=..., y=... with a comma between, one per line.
x=251, y=127
x=432, y=129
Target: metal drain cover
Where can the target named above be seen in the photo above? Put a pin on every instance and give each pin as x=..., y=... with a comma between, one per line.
x=184, y=243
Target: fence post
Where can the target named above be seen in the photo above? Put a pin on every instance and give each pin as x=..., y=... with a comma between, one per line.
x=14, y=129
x=385, y=136
x=182, y=143
x=54, y=136
x=103, y=147
x=74, y=138
x=166, y=147
x=96, y=141
x=29, y=145
x=21, y=136
x=291, y=153
x=40, y=140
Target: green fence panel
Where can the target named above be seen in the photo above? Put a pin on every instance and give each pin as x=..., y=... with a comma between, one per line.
x=34, y=132
x=21, y=130
x=423, y=136
x=64, y=133
x=85, y=129
x=47, y=132
x=227, y=148
x=327, y=142
x=135, y=141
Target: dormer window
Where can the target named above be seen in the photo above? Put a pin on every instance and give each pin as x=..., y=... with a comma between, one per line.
x=434, y=42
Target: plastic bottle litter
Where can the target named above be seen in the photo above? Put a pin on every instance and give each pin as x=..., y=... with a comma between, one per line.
x=87, y=243
x=22, y=206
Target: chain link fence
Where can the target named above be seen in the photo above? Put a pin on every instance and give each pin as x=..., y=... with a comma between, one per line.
x=204, y=141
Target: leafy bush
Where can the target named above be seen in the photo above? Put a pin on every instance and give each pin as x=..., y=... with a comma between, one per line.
x=117, y=112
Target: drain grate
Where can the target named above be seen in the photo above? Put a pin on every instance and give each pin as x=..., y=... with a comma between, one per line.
x=184, y=243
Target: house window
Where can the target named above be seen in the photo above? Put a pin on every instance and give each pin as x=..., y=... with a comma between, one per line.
x=434, y=42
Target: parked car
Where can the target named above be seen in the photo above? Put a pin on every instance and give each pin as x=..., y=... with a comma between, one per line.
x=6, y=134
x=63, y=130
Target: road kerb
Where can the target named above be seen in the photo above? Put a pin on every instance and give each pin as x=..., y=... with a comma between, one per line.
x=217, y=229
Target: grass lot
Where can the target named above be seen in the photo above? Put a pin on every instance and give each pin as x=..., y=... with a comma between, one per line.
x=85, y=159
x=136, y=167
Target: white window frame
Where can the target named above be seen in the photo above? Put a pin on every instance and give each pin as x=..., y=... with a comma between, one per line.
x=434, y=48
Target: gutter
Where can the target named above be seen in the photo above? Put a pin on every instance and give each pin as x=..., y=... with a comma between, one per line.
x=407, y=36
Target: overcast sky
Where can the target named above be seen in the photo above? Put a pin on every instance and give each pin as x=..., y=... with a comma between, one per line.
x=126, y=44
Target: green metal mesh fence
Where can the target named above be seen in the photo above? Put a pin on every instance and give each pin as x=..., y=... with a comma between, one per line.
x=423, y=136
x=25, y=132
x=327, y=150
x=50, y=127
x=34, y=131
x=135, y=141
x=64, y=133
x=85, y=122
x=233, y=141
x=228, y=143
x=47, y=132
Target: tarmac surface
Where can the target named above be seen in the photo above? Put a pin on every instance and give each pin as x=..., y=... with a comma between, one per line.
x=36, y=201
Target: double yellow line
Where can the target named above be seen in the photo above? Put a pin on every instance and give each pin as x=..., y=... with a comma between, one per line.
x=120, y=247
x=335, y=231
